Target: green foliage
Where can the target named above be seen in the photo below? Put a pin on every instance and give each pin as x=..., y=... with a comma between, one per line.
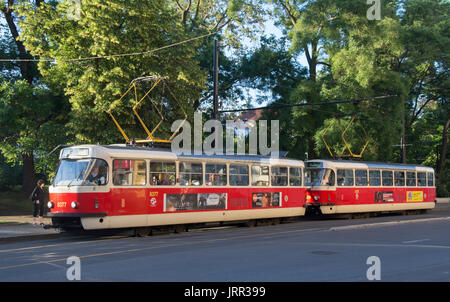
x=108, y=28
x=347, y=57
x=31, y=120
x=10, y=176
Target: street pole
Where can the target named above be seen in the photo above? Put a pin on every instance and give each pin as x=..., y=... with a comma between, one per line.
x=216, y=80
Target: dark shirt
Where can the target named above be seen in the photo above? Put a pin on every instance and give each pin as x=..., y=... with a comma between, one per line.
x=39, y=194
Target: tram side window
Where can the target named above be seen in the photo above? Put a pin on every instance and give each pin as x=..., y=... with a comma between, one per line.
x=421, y=179
x=388, y=179
x=374, y=178
x=411, y=179
x=295, y=177
x=216, y=175
x=191, y=174
x=361, y=177
x=98, y=176
x=399, y=177
x=129, y=172
x=238, y=175
x=430, y=179
x=260, y=175
x=162, y=174
x=279, y=176
x=345, y=177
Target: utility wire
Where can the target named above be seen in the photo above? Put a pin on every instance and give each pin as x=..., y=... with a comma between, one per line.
x=310, y=104
x=109, y=56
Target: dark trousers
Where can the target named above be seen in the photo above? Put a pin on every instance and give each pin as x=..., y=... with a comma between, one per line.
x=38, y=209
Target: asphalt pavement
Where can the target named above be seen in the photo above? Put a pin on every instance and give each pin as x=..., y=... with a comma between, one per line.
x=387, y=248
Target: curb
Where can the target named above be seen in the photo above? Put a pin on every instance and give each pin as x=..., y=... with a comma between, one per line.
x=10, y=223
x=31, y=237
x=442, y=200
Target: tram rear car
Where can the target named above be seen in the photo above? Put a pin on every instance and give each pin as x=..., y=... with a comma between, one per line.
x=339, y=187
x=103, y=187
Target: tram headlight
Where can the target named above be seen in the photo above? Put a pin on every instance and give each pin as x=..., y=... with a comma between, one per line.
x=316, y=198
x=74, y=205
x=50, y=204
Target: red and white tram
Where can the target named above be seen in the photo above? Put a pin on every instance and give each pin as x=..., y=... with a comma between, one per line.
x=118, y=186
x=339, y=186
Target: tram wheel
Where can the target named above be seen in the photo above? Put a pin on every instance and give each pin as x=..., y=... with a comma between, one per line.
x=276, y=221
x=179, y=228
x=142, y=232
x=249, y=223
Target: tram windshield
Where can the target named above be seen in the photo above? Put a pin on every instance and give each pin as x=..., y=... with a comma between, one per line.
x=319, y=177
x=82, y=172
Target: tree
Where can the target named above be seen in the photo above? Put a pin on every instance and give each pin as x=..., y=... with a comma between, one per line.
x=309, y=25
x=124, y=27
x=32, y=113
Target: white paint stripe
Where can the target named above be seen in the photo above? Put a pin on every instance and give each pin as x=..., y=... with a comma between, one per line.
x=415, y=241
x=386, y=245
x=389, y=223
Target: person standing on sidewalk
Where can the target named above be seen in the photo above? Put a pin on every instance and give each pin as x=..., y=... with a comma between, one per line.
x=38, y=202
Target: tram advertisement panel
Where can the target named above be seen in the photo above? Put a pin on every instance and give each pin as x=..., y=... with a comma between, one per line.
x=194, y=201
x=266, y=200
x=414, y=196
x=384, y=196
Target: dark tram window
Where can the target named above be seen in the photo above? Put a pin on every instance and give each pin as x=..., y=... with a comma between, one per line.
x=238, y=175
x=162, y=174
x=374, y=178
x=399, y=177
x=295, y=177
x=411, y=179
x=191, y=174
x=345, y=177
x=216, y=175
x=388, y=179
x=279, y=176
x=361, y=177
x=421, y=179
x=430, y=179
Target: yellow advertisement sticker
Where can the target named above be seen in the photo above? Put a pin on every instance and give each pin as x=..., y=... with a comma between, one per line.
x=414, y=196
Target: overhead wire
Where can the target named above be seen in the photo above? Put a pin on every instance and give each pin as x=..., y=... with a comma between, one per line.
x=110, y=56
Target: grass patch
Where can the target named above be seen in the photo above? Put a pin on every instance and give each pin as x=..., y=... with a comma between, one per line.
x=15, y=203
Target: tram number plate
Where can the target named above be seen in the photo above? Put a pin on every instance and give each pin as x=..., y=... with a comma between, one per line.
x=61, y=204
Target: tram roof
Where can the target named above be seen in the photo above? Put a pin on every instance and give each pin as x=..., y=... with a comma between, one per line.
x=374, y=165
x=123, y=151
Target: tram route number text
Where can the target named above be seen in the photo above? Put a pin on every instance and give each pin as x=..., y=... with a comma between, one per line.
x=233, y=291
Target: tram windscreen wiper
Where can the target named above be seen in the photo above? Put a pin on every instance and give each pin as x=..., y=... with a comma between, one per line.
x=78, y=177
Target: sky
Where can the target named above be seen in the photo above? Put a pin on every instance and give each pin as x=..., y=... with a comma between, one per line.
x=269, y=29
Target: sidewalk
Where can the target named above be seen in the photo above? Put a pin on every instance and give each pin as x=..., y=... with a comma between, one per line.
x=13, y=228
x=21, y=219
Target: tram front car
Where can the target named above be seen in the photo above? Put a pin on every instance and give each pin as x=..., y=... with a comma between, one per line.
x=80, y=188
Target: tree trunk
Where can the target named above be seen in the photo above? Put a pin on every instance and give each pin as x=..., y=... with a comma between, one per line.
x=443, y=156
x=25, y=69
x=28, y=177
x=311, y=145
